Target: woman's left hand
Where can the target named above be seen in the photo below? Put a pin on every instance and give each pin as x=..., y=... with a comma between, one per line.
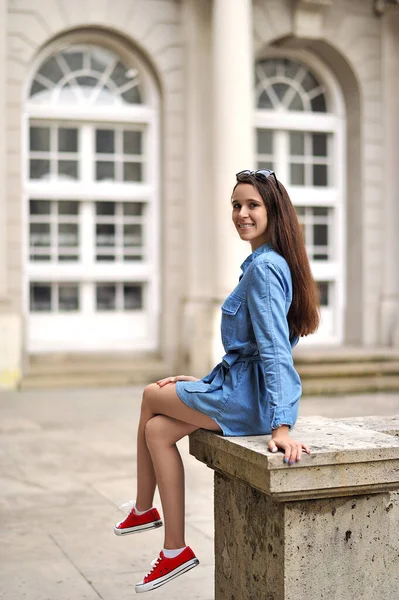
x=167, y=380
x=292, y=449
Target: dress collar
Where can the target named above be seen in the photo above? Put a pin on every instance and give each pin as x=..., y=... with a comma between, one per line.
x=255, y=253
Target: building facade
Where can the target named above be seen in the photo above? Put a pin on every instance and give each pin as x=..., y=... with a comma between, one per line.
x=122, y=126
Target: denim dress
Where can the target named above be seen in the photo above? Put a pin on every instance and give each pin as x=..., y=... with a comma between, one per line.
x=256, y=387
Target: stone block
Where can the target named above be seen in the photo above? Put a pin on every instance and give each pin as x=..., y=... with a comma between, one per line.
x=326, y=527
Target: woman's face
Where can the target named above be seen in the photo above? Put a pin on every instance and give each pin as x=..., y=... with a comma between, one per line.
x=249, y=214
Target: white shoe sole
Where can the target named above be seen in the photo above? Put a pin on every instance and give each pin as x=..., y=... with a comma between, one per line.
x=138, y=529
x=153, y=585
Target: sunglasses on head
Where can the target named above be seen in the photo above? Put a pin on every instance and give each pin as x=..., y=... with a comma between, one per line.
x=262, y=175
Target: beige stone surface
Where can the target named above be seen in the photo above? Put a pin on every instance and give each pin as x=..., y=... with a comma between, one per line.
x=325, y=528
x=67, y=460
x=345, y=459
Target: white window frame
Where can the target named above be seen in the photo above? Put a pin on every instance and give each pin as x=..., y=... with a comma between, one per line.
x=332, y=196
x=148, y=271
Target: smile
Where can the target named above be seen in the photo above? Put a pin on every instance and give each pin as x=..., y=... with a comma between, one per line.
x=245, y=225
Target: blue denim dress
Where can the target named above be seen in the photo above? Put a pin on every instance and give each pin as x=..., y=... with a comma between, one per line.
x=256, y=387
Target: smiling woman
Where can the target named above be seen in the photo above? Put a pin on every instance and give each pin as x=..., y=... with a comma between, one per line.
x=254, y=390
x=249, y=215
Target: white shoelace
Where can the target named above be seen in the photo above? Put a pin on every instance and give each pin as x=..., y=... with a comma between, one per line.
x=153, y=564
x=127, y=507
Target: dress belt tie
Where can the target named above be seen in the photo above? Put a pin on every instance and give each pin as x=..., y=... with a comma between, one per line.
x=231, y=358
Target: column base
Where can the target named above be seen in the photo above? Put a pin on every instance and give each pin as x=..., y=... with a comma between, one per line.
x=10, y=350
x=390, y=322
x=341, y=548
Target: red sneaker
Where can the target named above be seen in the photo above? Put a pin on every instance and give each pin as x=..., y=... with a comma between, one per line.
x=136, y=523
x=165, y=569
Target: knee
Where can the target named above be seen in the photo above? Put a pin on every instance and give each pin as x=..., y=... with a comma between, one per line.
x=155, y=431
x=147, y=394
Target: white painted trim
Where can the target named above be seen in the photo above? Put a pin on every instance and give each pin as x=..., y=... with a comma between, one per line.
x=335, y=195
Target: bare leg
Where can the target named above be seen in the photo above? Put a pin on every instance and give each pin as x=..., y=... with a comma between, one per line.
x=165, y=401
x=162, y=433
x=145, y=471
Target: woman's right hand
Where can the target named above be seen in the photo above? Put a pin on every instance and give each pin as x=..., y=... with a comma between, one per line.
x=168, y=380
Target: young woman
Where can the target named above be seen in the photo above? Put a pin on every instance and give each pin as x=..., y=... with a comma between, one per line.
x=254, y=390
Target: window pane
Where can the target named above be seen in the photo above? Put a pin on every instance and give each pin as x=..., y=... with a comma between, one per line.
x=37, y=88
x=296, y=103
x=105, y=235
x=319, y=104
x=68, y=207
x=132, y=95
x=264, y=141
x=40, y=297
x=40, y=139
x=133, y=209
x=320, y=235
x=39, y=207
x=74, y=59
x=105, y=141
x=40, y=235
x=319, y=144
x=309, y=82
x=106, y=296
x=68, y=234
x=105, y=170
x=105, y=208
x=297, y=143
x=300, y=210
x=265, y=164
x=264, y=101
x=39, y=169
x=131, y=257
x=324, y=292
x=51, y=70
x=320, y=211
x=105, y=257
x=132, y=142
x=281, y=89
x=320, y=175
x=320, y=256
x=132, y=235
x=119, y=75
x=39, y=257
x=132, y=172
x=86, y=83
x=297, y=174
x=132, y=297
x=68, y=298
x=68, y=169
x=68, y=257
x=67, y=140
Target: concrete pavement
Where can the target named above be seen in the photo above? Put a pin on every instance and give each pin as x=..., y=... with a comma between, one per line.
x=67, y=460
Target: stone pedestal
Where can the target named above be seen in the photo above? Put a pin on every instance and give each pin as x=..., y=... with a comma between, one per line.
x=324, y=528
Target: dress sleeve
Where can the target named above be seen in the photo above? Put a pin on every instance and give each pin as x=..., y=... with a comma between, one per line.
x=267, y=301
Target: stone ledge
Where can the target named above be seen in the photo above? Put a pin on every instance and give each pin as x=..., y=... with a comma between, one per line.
x=348, y=457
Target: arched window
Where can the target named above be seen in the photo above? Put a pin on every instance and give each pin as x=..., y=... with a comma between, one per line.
x=92, y=196
x=299, y=135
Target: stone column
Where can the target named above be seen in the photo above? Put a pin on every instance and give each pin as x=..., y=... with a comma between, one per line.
x=3, y=153
x=10, y=321
x=232, y=141
x=326, y=527
x=390, y=191
x=195, y=356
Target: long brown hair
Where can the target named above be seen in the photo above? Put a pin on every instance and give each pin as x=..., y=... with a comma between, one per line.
x=285, y=236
